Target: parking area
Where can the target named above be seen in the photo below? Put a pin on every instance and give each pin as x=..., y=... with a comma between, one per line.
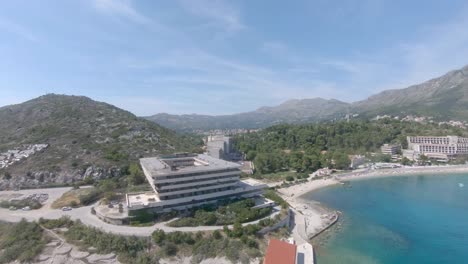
x=44, y=196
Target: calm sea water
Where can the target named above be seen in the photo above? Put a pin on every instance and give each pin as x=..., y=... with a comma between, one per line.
x=415, y=219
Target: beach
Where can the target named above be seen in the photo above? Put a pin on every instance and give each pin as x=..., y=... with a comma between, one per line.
x=311, y=218
x=403, y=171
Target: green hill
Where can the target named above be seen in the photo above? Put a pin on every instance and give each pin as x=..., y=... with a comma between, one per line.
x=86, y=139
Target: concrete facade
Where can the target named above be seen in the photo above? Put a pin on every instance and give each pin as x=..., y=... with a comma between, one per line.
x=183, y=181
x=219, y=146
x=389, y=149
x=438, y=147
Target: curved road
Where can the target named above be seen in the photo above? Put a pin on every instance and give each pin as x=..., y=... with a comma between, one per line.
x=84, y=215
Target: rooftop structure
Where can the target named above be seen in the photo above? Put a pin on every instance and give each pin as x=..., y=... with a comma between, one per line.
x=280, y=252
x=182, y=181
x=219, y=146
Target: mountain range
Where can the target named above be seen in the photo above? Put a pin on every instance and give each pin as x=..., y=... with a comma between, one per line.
x=90, y=139
x=85, y=139
x=442, y=98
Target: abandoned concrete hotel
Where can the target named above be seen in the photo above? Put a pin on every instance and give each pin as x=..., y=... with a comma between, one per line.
x=182, y=181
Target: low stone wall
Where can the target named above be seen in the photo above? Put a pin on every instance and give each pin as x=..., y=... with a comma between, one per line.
x=110, y=220
x=330, y=223
x=282, y=223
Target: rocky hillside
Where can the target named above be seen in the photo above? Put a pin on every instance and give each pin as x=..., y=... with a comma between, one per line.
x=445, y=97
x=293, y=111
x=442, y=98
x=85, y=139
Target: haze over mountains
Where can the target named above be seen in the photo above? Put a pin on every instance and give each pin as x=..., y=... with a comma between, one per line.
x=443, y=98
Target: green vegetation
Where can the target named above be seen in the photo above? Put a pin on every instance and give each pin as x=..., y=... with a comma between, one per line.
x=306, y=148
x=128, y=248
x=21, y=241
x=88, y=197
x=272, y=195
x=238, y=245
x=230, y=213
x=285, y=176
x=135, y=174
x=18, y=204
x=83, y=134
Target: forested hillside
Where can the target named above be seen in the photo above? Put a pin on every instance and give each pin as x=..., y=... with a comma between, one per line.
x=306, y=148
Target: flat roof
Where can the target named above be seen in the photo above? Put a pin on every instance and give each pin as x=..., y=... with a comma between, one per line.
x=158, y=166
x=252, y=182
x=280, y=252
x=142, y=198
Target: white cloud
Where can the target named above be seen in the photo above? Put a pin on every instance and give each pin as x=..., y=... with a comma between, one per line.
x=18, y=30
x=123, y=8
x=443, y=49
x=225, y=79
x=430, y=54
x=280, y=50
x=218, y=12
x=185, y=70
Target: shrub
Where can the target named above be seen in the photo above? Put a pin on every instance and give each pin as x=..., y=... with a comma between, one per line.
x=33, y=204
x=272, y=195
x=238, y=211
x=90, y=197
x=22, y=242
x=169, y=249
x=106, y=242
x=63, y=221
x=217, y=234
x=252, y=243
x=158, y=236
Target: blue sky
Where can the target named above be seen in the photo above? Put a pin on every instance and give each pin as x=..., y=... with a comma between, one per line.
x=221, y=57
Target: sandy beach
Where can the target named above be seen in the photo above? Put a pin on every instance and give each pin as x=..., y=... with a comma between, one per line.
x=312, y=218
x=404, y=171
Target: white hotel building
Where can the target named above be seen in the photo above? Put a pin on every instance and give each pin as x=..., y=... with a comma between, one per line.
x=182, y=181
x=438, y=147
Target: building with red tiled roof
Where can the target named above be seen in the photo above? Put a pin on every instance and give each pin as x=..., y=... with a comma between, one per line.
x=280, y=252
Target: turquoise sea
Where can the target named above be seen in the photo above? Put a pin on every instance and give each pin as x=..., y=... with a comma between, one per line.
x=414, y=219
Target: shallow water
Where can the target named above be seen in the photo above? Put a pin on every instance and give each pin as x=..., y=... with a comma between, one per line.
x=414, y=219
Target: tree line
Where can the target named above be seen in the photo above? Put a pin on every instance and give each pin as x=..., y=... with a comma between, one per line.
x=308, y=147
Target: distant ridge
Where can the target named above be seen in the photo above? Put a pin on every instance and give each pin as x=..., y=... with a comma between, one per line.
x=443, y=98
x=292, y=111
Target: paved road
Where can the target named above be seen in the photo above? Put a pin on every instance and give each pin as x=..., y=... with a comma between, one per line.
x=85, y=216
x=297, y=227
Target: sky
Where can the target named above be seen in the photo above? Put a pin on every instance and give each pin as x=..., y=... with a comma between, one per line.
x=221, y=57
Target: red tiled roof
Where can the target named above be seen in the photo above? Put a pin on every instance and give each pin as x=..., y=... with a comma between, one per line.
x=280, y=252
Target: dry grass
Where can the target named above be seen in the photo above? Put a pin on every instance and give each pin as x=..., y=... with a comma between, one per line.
x=70, y=198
